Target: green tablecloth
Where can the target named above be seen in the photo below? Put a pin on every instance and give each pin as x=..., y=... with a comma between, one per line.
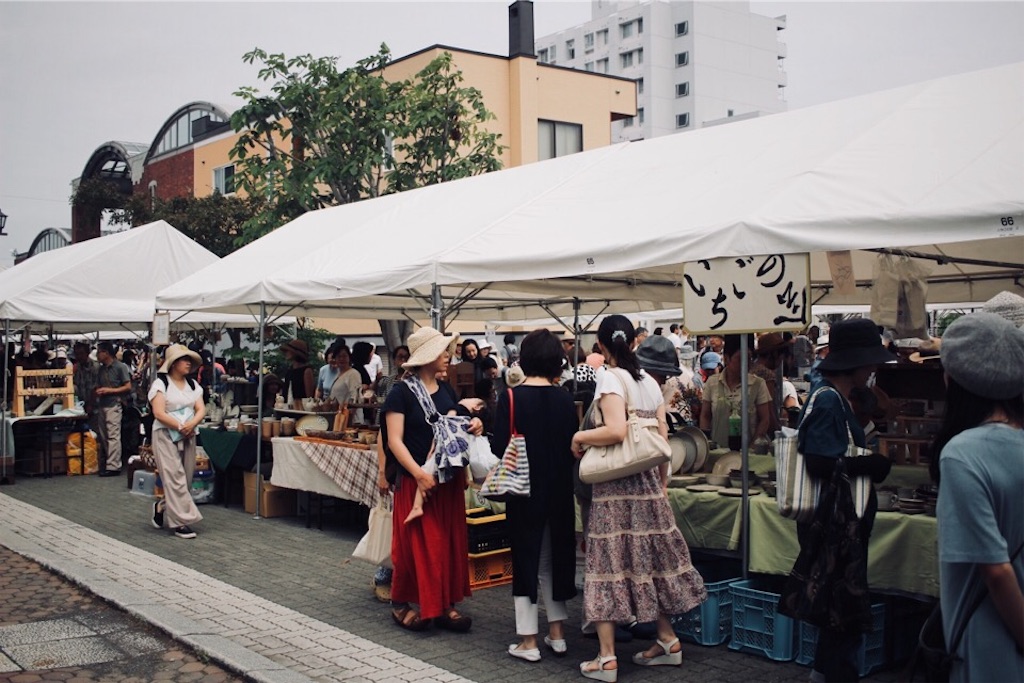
x=903, y=554
x=707, y=520
x=220, y=446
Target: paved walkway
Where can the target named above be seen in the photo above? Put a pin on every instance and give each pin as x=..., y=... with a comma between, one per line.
x=278, y=602
x=51, y=630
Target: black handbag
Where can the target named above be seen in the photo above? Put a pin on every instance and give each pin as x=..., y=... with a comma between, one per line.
x=931, y=658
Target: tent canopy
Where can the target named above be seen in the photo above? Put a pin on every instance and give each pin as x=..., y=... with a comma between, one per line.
x=935, y=168
x=107, y=283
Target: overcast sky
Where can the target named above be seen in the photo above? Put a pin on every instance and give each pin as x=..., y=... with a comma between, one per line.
x=74, y=75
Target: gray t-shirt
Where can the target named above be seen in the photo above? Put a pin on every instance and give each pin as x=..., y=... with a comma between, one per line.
x=981, y=521
x=114, y=375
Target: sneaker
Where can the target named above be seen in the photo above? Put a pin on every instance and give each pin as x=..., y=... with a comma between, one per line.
x=184, y=532
x=158, y=516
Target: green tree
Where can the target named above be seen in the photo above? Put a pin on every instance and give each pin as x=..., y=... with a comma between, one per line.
x=323, y=137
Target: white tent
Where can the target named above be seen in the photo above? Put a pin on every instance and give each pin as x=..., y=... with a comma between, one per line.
x=935, y=169
x=107, y=283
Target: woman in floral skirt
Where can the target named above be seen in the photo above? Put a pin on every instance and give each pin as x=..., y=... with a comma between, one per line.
x=637, y=561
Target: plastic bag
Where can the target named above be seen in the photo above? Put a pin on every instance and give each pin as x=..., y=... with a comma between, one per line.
x=375, y=546
x=481, y=460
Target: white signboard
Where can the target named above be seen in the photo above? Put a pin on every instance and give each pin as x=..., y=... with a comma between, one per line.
x=161, y=328
x=747, y=294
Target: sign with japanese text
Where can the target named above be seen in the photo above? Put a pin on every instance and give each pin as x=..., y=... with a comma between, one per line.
x=161, y=328
x=747, y=294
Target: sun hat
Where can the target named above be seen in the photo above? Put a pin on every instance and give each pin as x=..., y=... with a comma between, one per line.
x=710, y=360
x=853, y=344
x=484, y=344
x=686, y=352
x=514, y=376
x=658, y=354
x=176, y=351
x=62, y=352
x=426, y=344
x=297, y=347
x=984, y=353
x=773, y=341
x=821, y=343
x=928, y=351
x=1007, y=305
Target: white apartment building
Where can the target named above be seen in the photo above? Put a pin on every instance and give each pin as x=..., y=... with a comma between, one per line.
x=695, y=63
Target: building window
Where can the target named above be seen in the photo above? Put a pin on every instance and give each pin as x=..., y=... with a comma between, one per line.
x=589, y=66
x=588, y=42
x=631, y=58
x=557, y=139
x=682, y=89
x=224, y=179
x=640, y=115
x=152, y=194
x=682, y=28
x=602, y=37
x=639, y=86
x=627, y=122
x=682, y=120
x=602, y=66
x=546, y=56
x=570, y=49
x=682, y=58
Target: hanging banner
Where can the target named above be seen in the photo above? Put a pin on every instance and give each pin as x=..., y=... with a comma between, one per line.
x=747, y=294
x=161, y=328
x=840, y=265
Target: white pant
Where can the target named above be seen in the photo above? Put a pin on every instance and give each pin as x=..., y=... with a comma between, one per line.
x=526, y=610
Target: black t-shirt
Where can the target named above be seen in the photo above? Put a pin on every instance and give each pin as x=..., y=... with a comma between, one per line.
x=418, y=435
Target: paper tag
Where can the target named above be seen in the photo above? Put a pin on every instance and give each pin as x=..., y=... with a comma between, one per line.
x=1010, y=226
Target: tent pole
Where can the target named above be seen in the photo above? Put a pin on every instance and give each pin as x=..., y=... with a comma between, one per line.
x=744, y=454
x=575, y=339
x=436, y=304
x=3, y=402
x=259, y=411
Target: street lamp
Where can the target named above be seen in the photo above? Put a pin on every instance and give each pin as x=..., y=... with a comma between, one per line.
x=3, y=223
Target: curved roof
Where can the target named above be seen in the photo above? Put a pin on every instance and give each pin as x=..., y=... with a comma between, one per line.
x=58, y=235
x=169, y=130
x=114, y=159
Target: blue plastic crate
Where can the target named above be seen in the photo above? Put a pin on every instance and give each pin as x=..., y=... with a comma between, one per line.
x=870, y=656
x=756, y=628
x=711, y=622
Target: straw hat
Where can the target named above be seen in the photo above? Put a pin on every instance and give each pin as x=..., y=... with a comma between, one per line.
x=928, y=351
x=176, y=351
x=1007, y=305
x=426, y=345
x=773, y=341
x=297, y=347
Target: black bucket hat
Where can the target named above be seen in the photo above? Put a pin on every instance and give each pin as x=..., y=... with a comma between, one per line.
x=854, y=344
x=658, y=354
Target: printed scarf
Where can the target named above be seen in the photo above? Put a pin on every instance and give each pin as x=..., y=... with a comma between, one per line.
x=451, y=447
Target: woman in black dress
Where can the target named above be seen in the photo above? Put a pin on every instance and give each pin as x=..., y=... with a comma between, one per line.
x=543, y=525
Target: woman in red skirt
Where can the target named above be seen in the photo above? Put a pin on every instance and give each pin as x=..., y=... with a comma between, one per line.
x=424, y=419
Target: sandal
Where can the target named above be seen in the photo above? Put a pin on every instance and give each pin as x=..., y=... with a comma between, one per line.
x=669, y=658
x=453, y=621
x=600, y=673
x=407, y=618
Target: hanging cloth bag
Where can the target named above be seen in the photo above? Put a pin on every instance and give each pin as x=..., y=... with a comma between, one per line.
x=510, y=477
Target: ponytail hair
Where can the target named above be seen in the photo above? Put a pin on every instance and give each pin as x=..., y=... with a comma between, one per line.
x=616, y=334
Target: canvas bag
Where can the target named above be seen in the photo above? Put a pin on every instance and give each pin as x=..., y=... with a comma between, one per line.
x=798, y=492
x=375, y=546
x=898, y=294
x=642, y=449
x=510, y=477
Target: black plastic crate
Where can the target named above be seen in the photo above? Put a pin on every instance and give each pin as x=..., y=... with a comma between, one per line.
x=487, y=531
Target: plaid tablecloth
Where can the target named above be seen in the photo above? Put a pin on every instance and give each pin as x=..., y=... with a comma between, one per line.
x=352, y=469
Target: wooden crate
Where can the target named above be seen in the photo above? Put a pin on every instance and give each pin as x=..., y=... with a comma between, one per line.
x=56, y=384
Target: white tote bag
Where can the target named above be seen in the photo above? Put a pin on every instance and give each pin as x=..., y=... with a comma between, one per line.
x=375, y=546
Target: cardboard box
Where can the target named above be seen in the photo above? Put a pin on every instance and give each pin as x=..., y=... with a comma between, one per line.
x=276, y=501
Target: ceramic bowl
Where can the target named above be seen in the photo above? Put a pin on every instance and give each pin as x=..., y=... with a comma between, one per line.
x=718, y=479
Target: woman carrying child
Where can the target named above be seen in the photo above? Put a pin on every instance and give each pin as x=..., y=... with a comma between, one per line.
x=423, y=419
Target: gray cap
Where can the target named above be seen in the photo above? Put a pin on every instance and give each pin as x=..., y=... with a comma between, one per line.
x=984, y=353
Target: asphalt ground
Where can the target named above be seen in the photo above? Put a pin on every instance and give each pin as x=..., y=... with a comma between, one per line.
x=309, y=571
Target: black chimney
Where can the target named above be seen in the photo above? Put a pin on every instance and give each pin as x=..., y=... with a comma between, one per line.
x=520, y=29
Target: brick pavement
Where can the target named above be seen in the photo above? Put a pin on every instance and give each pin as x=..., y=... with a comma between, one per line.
x=290, y=595
x=51, y=630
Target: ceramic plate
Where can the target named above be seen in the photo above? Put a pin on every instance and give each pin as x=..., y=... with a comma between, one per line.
x=701, y=442
x=675, y=442
x=681, y=482
x=310, y=422
x=704, y=488
x=738, y=493
x=733, y=461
